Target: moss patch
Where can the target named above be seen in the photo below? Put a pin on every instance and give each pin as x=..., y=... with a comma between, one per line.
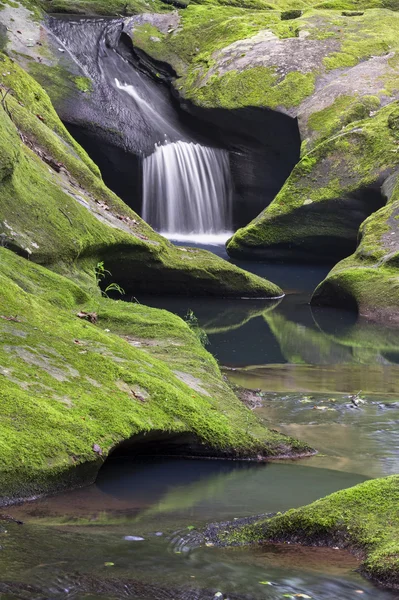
x=364, y=518
x=368, y=281
x=344, y=110
x=68, y=385
x=194, y=51
x=58, y=82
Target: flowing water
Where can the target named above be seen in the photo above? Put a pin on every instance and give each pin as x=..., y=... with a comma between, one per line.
x=187, y=190
x=133, y=535
x=186, y=185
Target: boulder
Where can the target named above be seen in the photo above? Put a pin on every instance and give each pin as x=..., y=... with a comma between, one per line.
x=331, y=191
x=355, y=518
x=367, y=281
x=82, y=374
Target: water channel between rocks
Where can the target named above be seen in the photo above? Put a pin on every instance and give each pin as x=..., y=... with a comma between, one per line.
x=130, y=535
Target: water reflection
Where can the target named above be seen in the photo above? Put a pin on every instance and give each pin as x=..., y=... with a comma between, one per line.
x=175, y=492
x=82, y=544
x=290, y=345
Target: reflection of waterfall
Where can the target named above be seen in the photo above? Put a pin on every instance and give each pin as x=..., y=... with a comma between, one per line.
x=187, y=189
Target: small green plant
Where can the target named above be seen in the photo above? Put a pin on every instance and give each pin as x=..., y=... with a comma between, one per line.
x=192, y=322
x=101, y=272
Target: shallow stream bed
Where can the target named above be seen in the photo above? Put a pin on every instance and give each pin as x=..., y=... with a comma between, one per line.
x=133, y=533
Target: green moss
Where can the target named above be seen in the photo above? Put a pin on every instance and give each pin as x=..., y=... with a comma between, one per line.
x=259, y=86
x=192, y=50
x=33, y=97
x=364, y=518
x=9, y=148
x=68, y=384
x=372, y=34
x=367, y=280
x=335, y=170
x=343, y=111
x=58, y=82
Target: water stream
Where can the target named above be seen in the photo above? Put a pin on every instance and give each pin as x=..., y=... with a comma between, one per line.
x=132, y=533
x=186, y=184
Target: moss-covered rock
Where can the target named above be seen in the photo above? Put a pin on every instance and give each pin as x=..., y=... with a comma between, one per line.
x=364, y=518
x=72, y=390
x=317, y=214
x=233, y=57
x=368, y=281
x=55, y=208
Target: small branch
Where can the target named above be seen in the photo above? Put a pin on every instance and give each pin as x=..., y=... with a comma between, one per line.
x=65, y=215
x=3, y=101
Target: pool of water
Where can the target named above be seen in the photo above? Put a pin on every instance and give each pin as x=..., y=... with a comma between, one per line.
x=133, y=533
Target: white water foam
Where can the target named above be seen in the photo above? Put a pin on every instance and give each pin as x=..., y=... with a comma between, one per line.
x=203, y=239
x=187, y=190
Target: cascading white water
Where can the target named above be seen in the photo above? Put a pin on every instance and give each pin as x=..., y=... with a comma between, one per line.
x=187, y=190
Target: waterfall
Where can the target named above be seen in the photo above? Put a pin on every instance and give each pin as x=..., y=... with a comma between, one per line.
x=187, y=190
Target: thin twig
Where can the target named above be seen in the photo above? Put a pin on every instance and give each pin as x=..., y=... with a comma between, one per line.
x=66, y=215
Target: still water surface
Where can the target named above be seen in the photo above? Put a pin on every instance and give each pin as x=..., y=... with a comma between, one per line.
x=305, y=365
x=141, y=516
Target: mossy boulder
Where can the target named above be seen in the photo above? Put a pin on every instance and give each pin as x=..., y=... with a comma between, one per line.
x=368, y=280
x=364, y=518
x=230, y=57
x=56, y=210
x=72, y=390
x=330, y=66
x=317, y=214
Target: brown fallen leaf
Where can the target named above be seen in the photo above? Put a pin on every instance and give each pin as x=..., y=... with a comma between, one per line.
x=89, y=316
x=10, y=318
x=138, y=396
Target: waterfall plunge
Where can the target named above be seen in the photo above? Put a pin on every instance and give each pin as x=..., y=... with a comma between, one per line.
x=187, y=191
